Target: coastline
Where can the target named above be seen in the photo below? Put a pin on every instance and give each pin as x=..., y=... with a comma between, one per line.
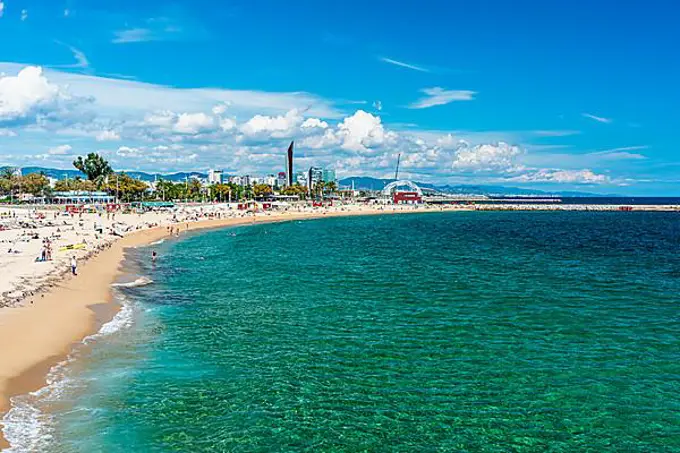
x=43, y=331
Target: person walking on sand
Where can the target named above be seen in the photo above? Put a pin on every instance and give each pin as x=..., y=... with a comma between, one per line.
x=74, y=266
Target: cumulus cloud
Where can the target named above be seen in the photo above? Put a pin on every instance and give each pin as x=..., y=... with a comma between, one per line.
x=500, y=157
x=362, y=131
x=193, y=123
x=107, y=136
x=7, y=133
x=2, y=9
x=227, y=124
x=26, y=93
x=24, y=14
x=311, y=123
x=277, y=126
x=439, y=96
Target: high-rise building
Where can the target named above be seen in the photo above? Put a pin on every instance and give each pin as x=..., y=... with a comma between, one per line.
x=214, y=176
x=270, y=180
x=314, y=176
x=301, y=178
x=289, y=164
x=329, y=175
x=281, y=180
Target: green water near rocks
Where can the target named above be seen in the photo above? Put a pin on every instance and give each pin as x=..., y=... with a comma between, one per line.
x=477, y=332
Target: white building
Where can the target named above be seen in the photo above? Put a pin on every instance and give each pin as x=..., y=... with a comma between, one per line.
x=214, y=176
x=270, y=180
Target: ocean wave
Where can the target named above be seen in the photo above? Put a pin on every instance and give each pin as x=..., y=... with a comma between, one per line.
x=141, y=281
x=26, y=426
x=158, y=242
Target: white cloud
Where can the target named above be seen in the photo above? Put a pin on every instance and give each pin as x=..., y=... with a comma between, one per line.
x=227, y=124
x=362, y=131
x=278, y=126
x=563, y=177
x=2, y=8
x=403, y=65
x=127, y=151
x=26, y=93
x=163, y=119
x=219, y=109
x=500, y=157
x=59, y=150
x=131, y=98
x=193, y=123
x=311, y=123
x=67, y=12
x=107, y=136
x=439, y=96
x=599, y=119
x=24, y=14
x=7, y=133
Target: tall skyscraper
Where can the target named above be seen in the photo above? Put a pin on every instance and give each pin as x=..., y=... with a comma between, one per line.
x=289, y=165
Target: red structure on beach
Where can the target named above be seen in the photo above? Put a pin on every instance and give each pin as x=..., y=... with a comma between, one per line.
x=406, y=198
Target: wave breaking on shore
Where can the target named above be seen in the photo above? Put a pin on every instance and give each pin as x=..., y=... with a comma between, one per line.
x=27, y=426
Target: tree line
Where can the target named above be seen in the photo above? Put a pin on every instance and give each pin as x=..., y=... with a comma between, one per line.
x=99, y=176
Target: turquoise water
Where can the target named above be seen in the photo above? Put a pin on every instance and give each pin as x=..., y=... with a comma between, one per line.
x=476, y=331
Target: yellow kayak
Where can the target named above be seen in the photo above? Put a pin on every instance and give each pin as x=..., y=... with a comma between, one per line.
x=72, y=247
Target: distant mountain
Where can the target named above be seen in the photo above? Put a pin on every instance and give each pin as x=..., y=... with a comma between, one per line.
x=148, y=177
x=368, y=183
x=360, y=183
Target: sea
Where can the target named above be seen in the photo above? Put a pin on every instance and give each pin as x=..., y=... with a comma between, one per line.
x=437, y=332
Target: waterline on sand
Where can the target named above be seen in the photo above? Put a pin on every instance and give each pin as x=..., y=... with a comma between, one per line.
x=28, y=426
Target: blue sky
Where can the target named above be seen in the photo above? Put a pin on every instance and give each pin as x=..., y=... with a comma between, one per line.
x=552, y=95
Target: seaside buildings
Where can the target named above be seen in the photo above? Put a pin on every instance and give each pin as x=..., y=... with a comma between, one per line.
x=314, y=176
x=214, y=176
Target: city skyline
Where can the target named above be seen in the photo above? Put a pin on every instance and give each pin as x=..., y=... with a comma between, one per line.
x=535, y=96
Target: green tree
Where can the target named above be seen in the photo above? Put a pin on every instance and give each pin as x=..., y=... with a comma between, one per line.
x=78, y=184
x=35, y=183
x=262, y=190
x=8, y=181
x=331, y=187
x=95, y=167
x=126, y=187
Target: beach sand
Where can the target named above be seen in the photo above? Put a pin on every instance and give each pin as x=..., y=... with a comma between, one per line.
x=51, y=319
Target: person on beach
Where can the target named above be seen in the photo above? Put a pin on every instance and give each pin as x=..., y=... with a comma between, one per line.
x=74, y=265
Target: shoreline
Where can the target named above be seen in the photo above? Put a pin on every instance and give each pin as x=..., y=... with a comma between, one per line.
x=45, y=330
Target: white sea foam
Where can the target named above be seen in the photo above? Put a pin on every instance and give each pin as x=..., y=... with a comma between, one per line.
x=158, y=242
x=27, y=427
x=141, y=281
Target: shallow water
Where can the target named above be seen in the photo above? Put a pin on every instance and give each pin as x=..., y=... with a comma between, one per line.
x=475, y=331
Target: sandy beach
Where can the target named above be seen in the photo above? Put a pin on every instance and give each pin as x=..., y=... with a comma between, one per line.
x=46, y=310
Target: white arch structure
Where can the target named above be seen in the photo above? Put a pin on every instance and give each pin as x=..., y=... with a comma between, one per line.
x=387, y=191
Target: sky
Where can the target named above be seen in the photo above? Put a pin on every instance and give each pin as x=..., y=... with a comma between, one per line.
x=578, y=95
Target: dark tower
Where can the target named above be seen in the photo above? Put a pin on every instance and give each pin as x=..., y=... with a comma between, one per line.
x=289, y=165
